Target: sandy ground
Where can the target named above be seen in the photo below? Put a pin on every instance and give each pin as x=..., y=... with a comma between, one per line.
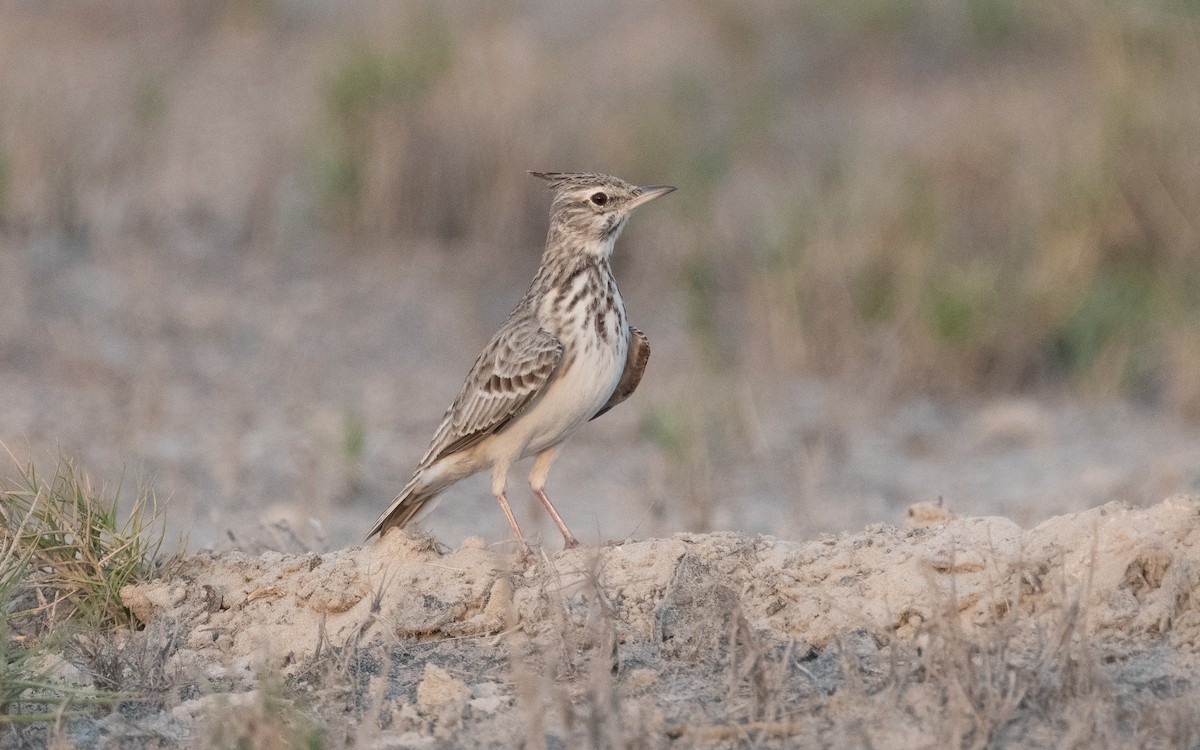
x=1080, y=632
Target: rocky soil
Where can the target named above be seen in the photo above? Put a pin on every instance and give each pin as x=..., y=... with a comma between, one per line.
x=1083, y=631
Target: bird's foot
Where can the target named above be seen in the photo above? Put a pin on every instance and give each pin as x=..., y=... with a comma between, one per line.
x=526, y=557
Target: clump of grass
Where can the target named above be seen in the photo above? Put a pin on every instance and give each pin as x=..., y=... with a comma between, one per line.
x=66, y=550
x=69, y=549
x=31, y=689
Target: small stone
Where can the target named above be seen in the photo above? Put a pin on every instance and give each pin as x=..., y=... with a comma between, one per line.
x=441, y=692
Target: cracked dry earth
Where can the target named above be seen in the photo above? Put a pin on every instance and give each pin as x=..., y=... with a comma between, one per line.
x=953, y=632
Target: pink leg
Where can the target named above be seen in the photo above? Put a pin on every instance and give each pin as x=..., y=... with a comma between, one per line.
x=512, y=520
x=569, y=539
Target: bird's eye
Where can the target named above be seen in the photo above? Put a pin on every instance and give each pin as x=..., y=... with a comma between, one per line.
x=599, y=199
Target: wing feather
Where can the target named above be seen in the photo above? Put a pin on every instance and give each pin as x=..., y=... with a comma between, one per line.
x=513, y=369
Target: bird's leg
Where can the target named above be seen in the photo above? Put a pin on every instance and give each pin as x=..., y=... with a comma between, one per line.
x=569, y=540
x=512, y=520
x=537, y=480
x=499, y=480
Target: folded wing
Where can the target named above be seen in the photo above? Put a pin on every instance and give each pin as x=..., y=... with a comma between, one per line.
x=513, y=369
x=635, y=365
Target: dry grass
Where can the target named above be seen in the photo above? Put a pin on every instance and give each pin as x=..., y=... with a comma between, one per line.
x=1017, y=207
x=947, y=196
x=73, y=549
x=64, y=557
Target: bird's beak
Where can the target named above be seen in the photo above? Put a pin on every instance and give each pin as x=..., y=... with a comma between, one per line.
x=649, y=193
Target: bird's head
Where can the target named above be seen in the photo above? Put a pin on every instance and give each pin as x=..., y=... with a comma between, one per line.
x=590, y=210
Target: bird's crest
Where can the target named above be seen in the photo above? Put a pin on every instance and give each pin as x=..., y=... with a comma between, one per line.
x=559, y=180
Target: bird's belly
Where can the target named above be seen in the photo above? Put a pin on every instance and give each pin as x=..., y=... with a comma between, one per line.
x=577, y=393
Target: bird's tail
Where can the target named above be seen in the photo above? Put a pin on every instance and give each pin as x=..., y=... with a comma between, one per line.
x=413, y=501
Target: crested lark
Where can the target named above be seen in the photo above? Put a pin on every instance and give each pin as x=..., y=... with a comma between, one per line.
x=564, y=356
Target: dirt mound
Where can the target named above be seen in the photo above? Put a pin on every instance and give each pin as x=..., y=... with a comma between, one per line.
x=1132, y=570
x=731, y=635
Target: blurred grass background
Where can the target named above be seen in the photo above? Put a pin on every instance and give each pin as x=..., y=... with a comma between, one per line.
x=977, y=195
x=951, y=198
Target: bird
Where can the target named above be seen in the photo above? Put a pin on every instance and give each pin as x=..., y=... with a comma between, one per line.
x=565, y=355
